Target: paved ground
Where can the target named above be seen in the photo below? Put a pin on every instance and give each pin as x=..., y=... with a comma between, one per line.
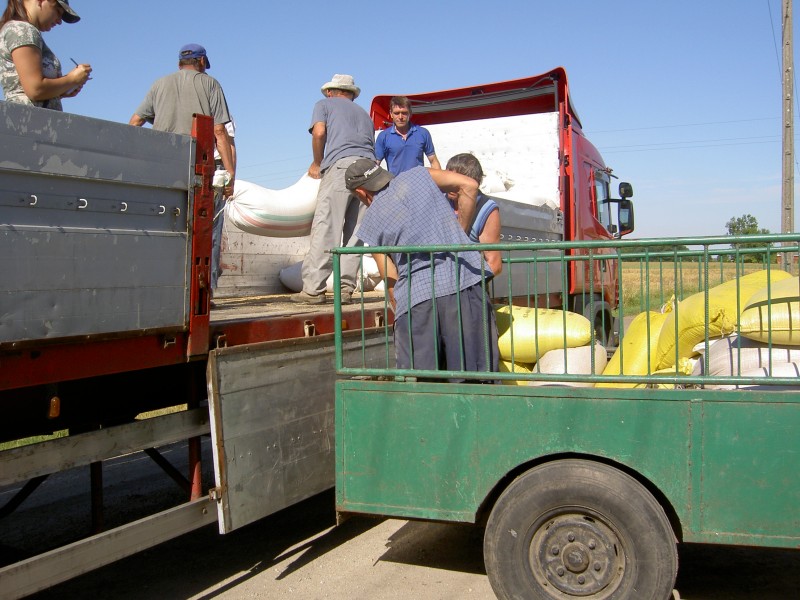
x=300, y=554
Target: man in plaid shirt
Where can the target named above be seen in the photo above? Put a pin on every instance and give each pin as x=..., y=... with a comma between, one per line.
x=443, y=316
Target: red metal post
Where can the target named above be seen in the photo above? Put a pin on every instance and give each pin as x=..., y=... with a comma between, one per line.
x=202, y=224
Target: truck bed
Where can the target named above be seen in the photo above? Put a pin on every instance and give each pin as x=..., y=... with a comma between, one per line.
x=278, y=305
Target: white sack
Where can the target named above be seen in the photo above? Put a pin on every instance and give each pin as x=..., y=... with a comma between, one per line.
x=725, y=357
x=578, y=362
x=291, y=276
x=276, y=213
x=778, y=370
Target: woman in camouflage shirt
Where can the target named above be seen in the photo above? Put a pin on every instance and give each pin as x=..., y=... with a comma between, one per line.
x=29, y=71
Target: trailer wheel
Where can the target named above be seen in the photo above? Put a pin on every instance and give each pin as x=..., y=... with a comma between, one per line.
x=579, y=529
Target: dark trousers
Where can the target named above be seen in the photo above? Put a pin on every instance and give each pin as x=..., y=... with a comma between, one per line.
x=430, y=336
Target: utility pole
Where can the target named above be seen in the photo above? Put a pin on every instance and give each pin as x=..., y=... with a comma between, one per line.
x=787, y=189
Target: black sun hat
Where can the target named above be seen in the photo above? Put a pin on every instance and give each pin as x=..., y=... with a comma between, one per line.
x=365, y=174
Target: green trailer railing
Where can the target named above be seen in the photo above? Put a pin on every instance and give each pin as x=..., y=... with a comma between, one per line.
x=688, y=266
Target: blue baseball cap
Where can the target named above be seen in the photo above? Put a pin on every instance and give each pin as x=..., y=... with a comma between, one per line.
x=194, y=51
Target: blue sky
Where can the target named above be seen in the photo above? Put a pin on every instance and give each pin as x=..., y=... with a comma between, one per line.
x=682, y=98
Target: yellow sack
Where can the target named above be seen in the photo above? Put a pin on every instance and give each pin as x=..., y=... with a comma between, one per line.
x=780, y=322
x=538, y=330
x=722, y=315
x=638, y=349
x=506, y=367
x=685, y=366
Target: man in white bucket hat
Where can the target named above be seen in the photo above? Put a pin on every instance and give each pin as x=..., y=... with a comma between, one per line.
x=341, y=132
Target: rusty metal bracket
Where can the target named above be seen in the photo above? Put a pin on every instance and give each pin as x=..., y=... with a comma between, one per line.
x=309, y=328
x=221, y=340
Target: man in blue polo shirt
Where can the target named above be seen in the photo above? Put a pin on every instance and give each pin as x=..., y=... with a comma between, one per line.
x=404, y=144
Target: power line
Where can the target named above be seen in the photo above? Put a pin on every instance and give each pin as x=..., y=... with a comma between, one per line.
x=676, y=125
x=736, y=139
x=774, y=40
x=660, y=147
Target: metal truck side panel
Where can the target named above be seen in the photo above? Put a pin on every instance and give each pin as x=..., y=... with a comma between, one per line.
x=93, y=225
x=750, y=479
x=462, y=440
x=272, y=421
x=48, y=142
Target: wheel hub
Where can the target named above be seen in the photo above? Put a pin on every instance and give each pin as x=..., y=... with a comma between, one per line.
x=576, y=555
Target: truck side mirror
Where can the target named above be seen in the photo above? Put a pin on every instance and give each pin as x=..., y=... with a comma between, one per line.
x=624, y=214
x=625, y=190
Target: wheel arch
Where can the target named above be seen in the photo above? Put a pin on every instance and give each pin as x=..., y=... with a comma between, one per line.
x=491, y=498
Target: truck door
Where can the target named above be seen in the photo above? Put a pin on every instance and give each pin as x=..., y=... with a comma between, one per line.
x=606, y=270
x=593, y=221
x=272, y=425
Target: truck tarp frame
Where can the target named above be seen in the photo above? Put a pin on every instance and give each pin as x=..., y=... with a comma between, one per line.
x=540, y=93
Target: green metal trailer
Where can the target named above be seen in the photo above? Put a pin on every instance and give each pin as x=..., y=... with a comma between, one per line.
x=585, y=491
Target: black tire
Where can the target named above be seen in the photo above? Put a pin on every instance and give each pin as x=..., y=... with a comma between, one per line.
x=599, y=315
x=579, y=529
x=603, y=323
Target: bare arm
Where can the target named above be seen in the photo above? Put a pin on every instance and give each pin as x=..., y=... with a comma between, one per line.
x=465, y=187
x=388, y=272
x=491, y=235
x=37, y=87
x=233, y=151
x=226, y=154
x=319, y=135
x=136, y=121
x=434, y=162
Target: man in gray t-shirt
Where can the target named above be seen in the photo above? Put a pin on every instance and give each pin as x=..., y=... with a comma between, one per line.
x=169, y=106
x=341, y=132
